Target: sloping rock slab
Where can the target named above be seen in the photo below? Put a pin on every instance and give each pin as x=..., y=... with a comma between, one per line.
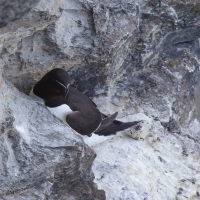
x=41, y=158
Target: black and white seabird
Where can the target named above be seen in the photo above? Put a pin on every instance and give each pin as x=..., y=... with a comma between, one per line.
x=75, y=108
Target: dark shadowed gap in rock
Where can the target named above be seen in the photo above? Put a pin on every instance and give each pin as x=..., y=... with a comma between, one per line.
x=91, y=78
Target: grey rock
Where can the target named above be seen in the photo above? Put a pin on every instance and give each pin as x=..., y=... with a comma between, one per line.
x=13, y=10
x=129, y=56
x=41, y=158
x=141, y=130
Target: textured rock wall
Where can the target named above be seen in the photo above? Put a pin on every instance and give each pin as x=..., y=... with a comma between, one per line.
x=40, y=157
x=12, y=10
x=138, y=57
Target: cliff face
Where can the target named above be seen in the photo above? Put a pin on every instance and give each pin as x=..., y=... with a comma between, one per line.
x=40, y=157
x=140, y=58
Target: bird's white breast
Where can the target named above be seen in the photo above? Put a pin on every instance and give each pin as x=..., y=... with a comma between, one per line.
x=61, y=111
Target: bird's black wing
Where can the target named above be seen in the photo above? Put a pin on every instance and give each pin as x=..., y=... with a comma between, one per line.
x=86, y=118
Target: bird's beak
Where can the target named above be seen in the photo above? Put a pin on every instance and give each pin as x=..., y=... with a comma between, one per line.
x=67, y=91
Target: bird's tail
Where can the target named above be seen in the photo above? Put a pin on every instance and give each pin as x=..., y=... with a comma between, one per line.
x=115, y=126
x=106, y=121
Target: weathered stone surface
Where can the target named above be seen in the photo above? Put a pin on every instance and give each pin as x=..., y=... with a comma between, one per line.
x=164, y=166
x=141, y=131
x=41, y=157
x=15, y=9
x=132, y=56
